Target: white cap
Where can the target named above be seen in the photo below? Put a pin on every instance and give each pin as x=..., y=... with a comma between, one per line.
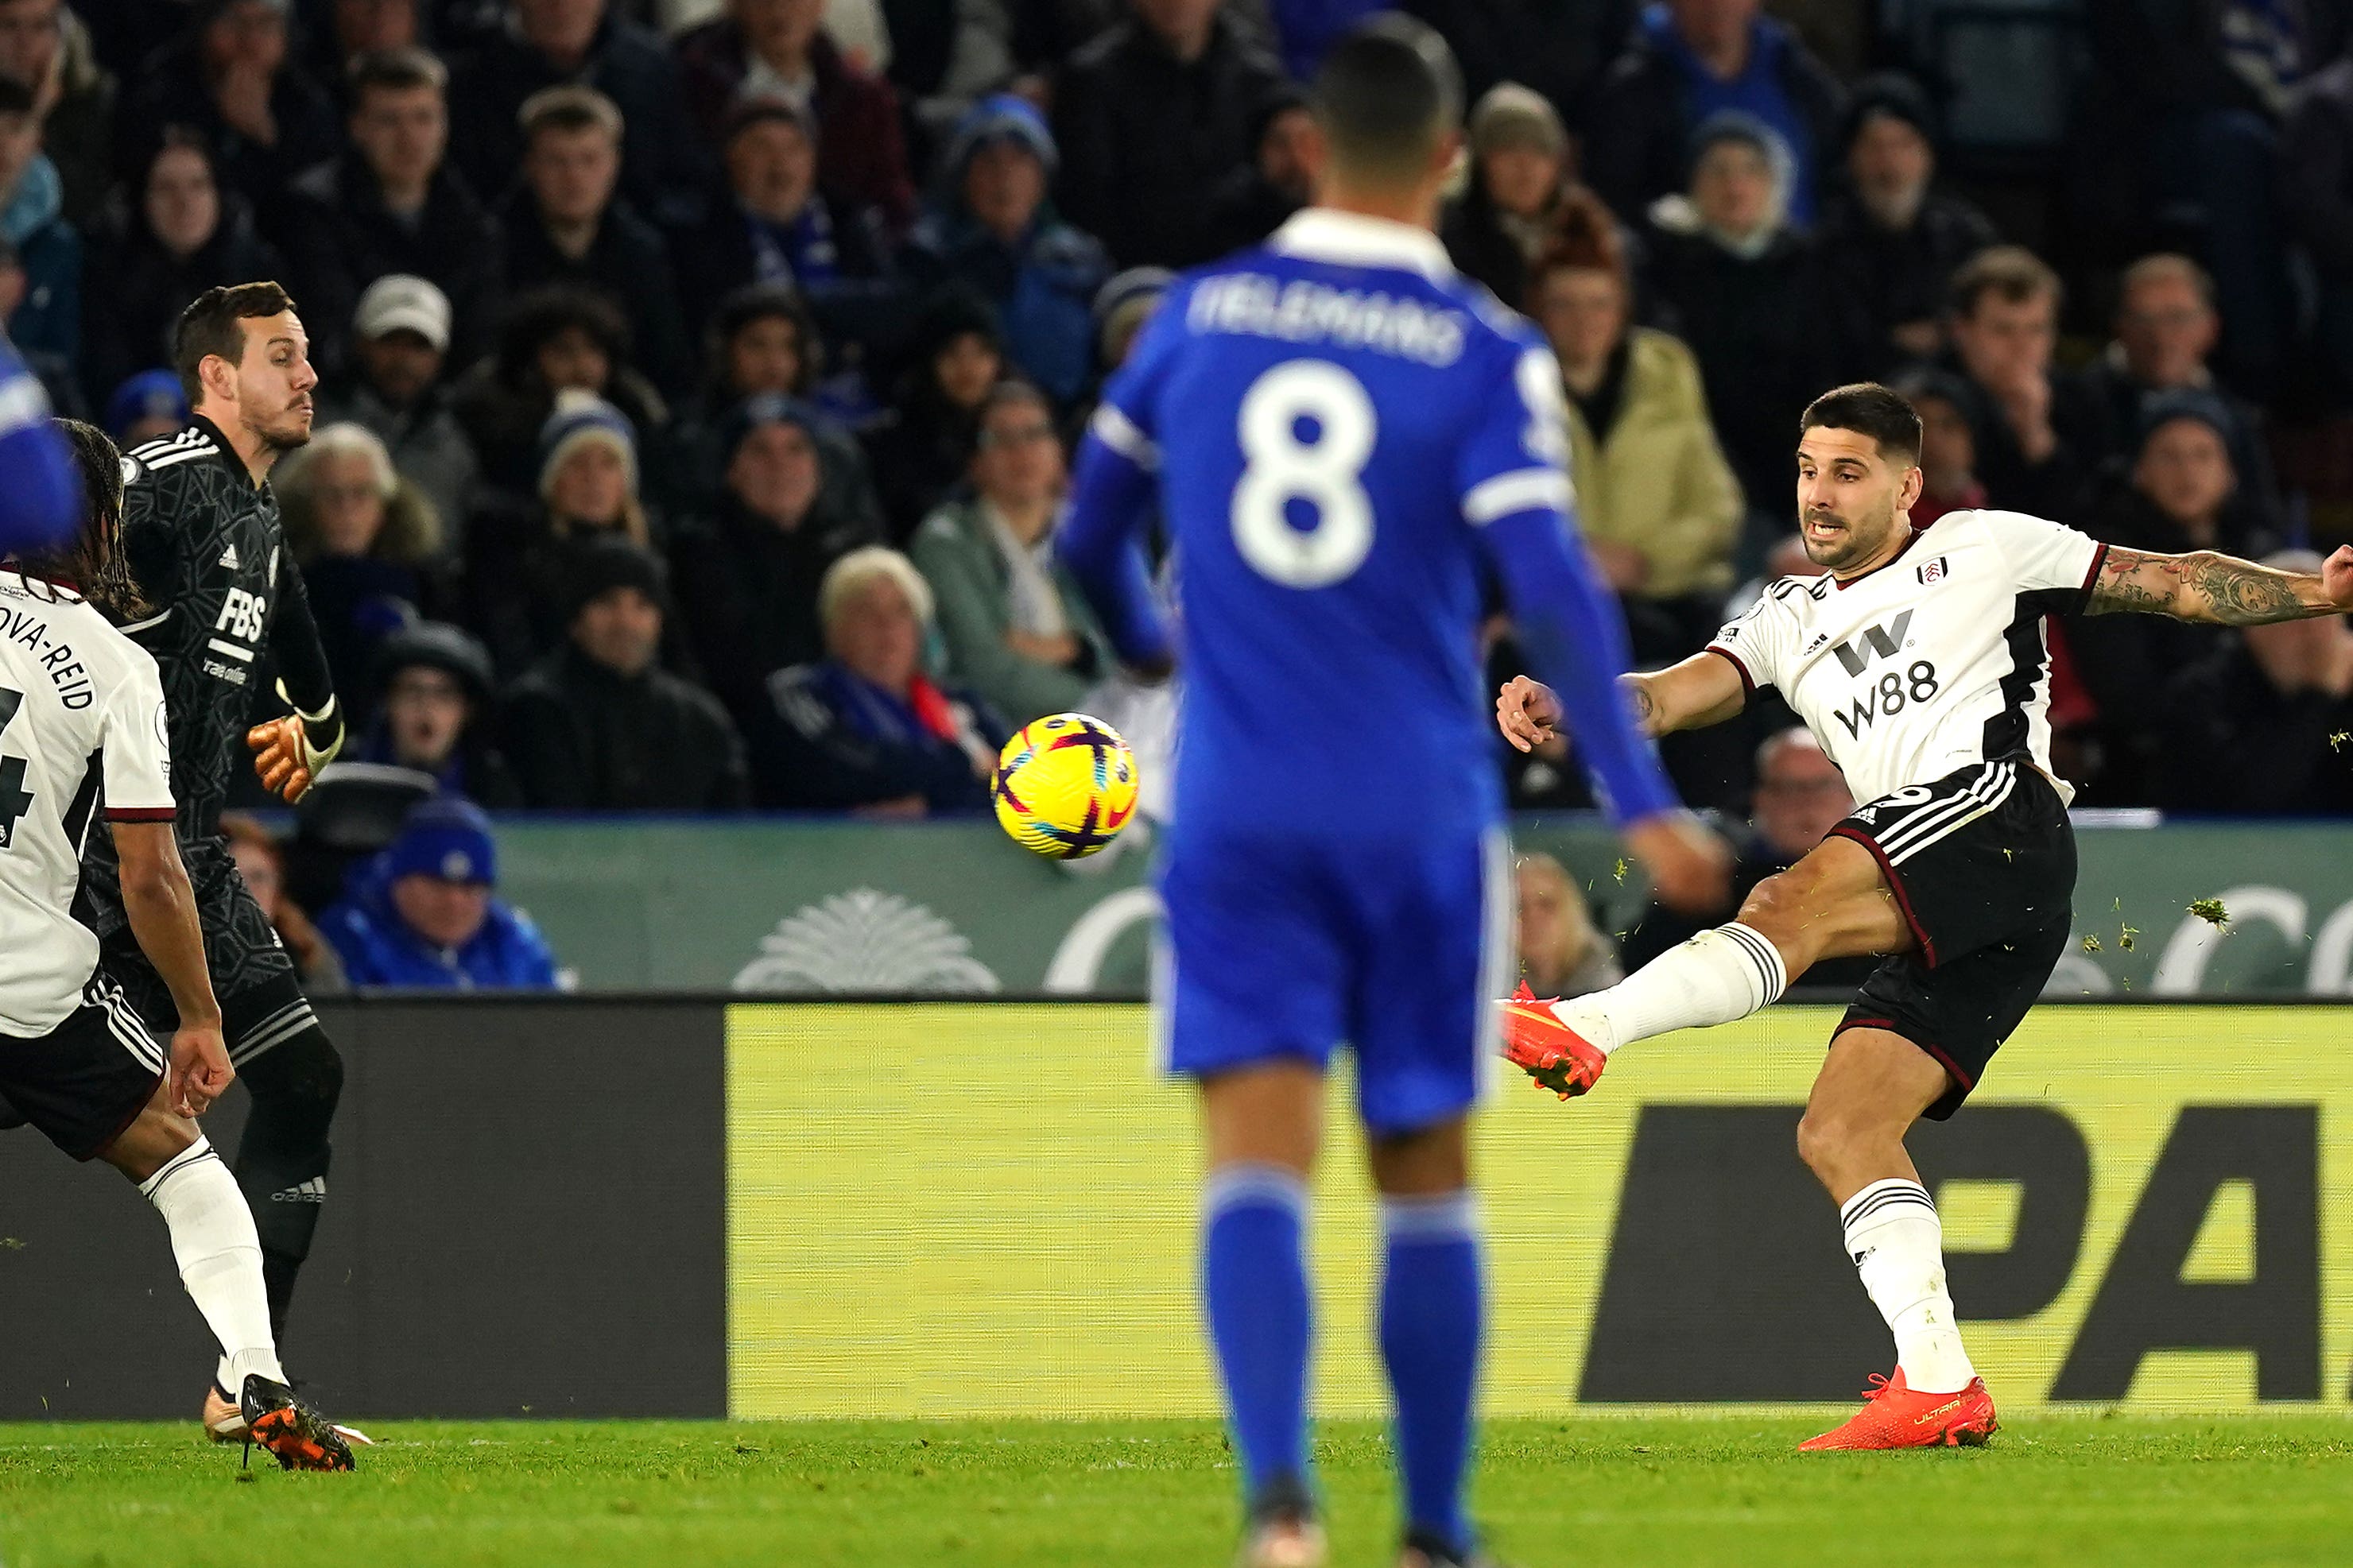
x=399, y=302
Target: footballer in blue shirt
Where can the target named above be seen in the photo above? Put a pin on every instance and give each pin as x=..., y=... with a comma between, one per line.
x=1348, y=441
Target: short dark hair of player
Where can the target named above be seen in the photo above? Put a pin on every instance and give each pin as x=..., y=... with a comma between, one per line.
x=215, y=324
x=401, y=69
x=2010, y=273
x=569, y=107
x=1869, y=409
x=1386, y=95
x=95, y=566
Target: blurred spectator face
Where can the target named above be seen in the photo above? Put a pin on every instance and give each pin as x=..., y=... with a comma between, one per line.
x=574, y=358
x=248, y=34
x=966, y=366
x=2185, y=470
x=1710, y=27
x=263, y=878
x=876, y=636
x=145, y=429
x=1003, y=183
x=1583, y=313
x=20, y=142
x=442, y=913
x=775, y=473
x=400, y=365
x=14, y=286
x=182, y=204
x=1018, y=460
x=1555, y=928
x=364, y=25
x=425, y=711
x=349, y=507
x=1787, y=558
x=591, y=486
x=765, y=355
x=2167, y=330
x=1891, y=163
x=771, y=168
x=1948, y=447
x=779, y=29
x=572, y=173
x=620, y=628
x=1521, y=176
x=2297, y=655
x=2002, y=342
x=1800, y=794
x=29, y=39
x=1733, y=187
x=1289, y=152
x=560, y=29
x=402, y=133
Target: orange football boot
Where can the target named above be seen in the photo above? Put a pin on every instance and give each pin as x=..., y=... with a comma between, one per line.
x=1546, y=1050
x=1895, y=1417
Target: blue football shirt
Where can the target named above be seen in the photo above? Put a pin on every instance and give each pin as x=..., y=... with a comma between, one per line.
x=1345, y=437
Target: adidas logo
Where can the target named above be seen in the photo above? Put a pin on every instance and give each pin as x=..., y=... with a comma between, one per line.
x=313, y=1191
x=228, y=556
x=1819, y=639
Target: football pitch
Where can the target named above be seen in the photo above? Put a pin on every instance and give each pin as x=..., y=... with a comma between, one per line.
x=1635, y=1489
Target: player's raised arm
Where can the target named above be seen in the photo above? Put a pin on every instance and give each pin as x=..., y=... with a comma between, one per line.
x=1702, y=690
x=2222, y=590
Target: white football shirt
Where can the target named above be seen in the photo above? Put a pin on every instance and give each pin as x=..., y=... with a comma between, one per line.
x=81, y=729
x=1933, y=662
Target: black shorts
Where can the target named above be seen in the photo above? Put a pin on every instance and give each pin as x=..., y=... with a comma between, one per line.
x=86, y=1080
x=1982, y=863
x=260, y=996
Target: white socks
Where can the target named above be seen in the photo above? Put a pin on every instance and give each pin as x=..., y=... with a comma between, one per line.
x=1898, y=1245
x=220, y=1258
x=1716, y=977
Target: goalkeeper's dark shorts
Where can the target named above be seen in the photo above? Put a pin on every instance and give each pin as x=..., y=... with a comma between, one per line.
x=260, y=996
x=1982, y=865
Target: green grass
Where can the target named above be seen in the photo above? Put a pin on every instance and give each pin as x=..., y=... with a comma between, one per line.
x=1684, y=1488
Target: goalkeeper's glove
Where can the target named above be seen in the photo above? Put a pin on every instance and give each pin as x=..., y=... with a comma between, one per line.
x=289, y=752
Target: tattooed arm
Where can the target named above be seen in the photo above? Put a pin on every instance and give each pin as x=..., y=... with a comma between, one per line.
x=2203, y=585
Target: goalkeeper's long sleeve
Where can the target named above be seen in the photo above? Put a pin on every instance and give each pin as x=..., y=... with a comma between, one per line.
x=303, y=678
x=1570, y=625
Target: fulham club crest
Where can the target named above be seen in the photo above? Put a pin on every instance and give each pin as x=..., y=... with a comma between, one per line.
x=1933, y=572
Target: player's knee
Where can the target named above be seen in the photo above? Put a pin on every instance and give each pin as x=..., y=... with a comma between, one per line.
x=304, y=1074
x=1825, y=1140
x=1774, y=908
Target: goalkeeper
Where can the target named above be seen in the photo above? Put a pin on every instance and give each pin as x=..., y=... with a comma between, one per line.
x=200, y=528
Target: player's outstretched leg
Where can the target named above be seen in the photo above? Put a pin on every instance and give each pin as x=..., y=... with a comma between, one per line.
x=220, y=1255
x=1832, y=903
x=1263, y=1129
x=1873, y=1086
x=1431, y=1315
x=282, y=1161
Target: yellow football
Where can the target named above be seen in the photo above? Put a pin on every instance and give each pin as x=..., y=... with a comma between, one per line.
x=1065, y=785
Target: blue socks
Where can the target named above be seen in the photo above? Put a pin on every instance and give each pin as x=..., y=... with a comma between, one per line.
x=1432, y=1313
x=1254, y=1281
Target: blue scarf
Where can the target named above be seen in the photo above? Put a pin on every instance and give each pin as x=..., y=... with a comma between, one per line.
x=801, y=252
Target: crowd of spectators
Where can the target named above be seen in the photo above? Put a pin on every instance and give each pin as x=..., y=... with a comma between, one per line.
x=700, y=375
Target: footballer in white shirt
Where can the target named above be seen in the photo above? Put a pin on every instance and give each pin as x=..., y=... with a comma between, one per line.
x=1919, y=661
x=83, y=738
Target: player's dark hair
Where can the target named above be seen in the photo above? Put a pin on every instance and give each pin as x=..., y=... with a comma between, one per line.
x=94, y=564
x=1869, y=409
x=1386, y=95
x=401, y=69
x=215, y=324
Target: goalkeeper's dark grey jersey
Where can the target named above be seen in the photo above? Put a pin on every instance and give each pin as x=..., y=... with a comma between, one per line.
x=204, y=543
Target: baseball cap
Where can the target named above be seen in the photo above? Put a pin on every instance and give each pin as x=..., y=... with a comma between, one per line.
x=401, y=301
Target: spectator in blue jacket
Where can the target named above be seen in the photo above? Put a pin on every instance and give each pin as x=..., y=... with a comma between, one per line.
x=423, y=913
x=991, y=228
x=45, y=322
